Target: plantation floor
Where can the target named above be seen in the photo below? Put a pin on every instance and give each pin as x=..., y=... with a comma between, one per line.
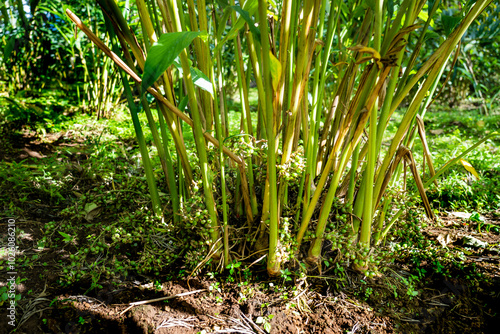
x=391, y=303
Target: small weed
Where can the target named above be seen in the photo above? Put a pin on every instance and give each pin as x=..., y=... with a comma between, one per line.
x=265, y=322
x=285, y=274
x=232, y=270
x=215, y=286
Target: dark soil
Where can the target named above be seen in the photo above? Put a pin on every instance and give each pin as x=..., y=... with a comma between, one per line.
x=444, y=303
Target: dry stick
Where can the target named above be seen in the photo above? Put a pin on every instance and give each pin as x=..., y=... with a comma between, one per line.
x=169, y=105
x=160, y=299
x=427, y=152
x=420, y=184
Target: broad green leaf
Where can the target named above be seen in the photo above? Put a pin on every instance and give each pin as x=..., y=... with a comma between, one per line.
x=163, y=53
x=275, y=70
x=199, y=78
x=64, y=234
x=67, y=237
x=469, y=168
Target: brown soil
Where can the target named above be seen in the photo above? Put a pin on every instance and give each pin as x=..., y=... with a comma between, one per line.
x=381, y=305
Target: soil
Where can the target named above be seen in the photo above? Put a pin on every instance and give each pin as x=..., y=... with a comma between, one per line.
x=197, y=305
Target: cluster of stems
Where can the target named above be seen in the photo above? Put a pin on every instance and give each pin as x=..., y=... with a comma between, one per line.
x=328, y=76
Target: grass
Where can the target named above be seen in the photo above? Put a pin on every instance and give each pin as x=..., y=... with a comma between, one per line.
x=449, y=133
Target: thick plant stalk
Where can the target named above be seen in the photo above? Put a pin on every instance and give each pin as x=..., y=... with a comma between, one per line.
x=218, y=129
x=305, y=44
x=163, y=151
x=125, y=36
x=258, y=81
x=433, y=67
x=165, y=102
x=273, y=263
x=315, y=249
x=369, y=174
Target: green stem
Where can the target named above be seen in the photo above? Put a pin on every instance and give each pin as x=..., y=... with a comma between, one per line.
x=273, y=264
x=172, y=185
x=218, y=130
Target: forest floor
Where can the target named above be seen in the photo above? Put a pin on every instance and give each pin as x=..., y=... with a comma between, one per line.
x=398, y=301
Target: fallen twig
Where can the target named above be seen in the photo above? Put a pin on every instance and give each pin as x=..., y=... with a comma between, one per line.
x=177, y=323
x=160, y=299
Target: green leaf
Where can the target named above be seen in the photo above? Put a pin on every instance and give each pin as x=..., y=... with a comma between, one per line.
x=246, y=13
x=275, y=70
x=183, y=103
x=163, y=53
x=8, y=48
x=199, y=78
x=67, y=237
x=450, y=22
x=89, y=207
x=249, y=9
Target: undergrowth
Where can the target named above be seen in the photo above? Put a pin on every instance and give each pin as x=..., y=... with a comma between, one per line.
x=95, y=204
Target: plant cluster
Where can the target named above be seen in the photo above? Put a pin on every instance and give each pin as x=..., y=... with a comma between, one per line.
x=325, y=169
x=323, y=143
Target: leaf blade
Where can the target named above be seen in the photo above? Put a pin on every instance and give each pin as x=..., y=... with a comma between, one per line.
x=163, y=53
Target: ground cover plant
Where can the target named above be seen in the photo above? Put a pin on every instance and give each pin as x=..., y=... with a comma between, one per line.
x=278, y=163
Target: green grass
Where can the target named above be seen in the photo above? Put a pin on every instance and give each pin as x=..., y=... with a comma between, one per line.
x=449, y=134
